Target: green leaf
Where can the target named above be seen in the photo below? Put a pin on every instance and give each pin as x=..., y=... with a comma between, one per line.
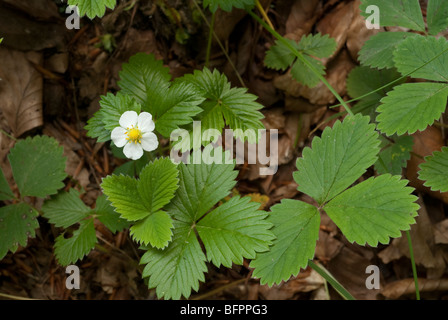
x=93, y=8
x=374, y=210
x=95, y=128
x=435, y=171
x=178, y=106
x=233, y=231
x=5, y=190
x=38, y=166
x=317, y=45
x=411, y=107
x=122, y=192
x=406, y=14
x=83, y=240
x=304, y=75
x=339, y=157
x=279, y=56
x=155, y=229
x=296, y=226
x=158, y=184
x=201, y=186
x=363, y=80
x=17, y=223
x=394, y=154
x=145, y=79
x=235, y=105
x=437, y=16
x=378, y=50
x=227, y=5
x=65, y=209
x=113, y=107
x=178, y=268
x=108, y=216
x=415, y=52
x=139, y=200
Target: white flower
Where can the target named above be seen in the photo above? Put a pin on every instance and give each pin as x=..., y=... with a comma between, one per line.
x=135, y=134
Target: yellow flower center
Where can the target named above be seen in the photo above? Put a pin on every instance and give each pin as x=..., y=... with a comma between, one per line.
x=134, y=135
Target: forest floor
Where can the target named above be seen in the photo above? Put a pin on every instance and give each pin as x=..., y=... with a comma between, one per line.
x=56, y=77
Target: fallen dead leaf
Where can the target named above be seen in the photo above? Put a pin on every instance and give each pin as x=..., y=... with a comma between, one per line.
x=21, y=90
x=403, y=287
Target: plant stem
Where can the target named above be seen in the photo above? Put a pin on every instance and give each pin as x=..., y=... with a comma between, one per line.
x=9, y=296
x=219, y=43
x=210, y=38
x=331, y=280
x=414, y=268
x=302, y=59
x=8, y=135
x=264, y=14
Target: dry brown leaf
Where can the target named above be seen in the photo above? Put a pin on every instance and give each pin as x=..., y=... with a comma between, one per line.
x=336, y=24
x=399, y=288
x=42, y=9
x=21, y=90
x=425, y=143
x=441, y=232
x=301, y=18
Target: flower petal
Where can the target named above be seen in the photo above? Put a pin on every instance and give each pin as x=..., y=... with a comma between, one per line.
x=133, y=151
x=128, y=119
x=118, y=136
x=149, y=141
x=145, y=123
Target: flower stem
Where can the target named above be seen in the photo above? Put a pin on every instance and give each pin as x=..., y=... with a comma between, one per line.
x=414, y=268
x=264, y=14
x=331, y=280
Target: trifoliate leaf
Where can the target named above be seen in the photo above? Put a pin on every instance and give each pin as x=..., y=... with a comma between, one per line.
x=178, y=268
x=406, y=14
x=155, y=229
x=363, y=80
x=437, y=16
x=394, y=154
x=141, y=199
x=411, y=107
x=378, y=50
x=435, y=171
x=296, y=226
x=177, y=107
x=17, y=223
x=83, y=240
x=374, y=210
x=235, y=105
x=233, y=231
x=122, y=192
x=304, y=75
x=227, y=5
x=157, y=183
x=339, y=157
x=113, y=107
x=95, y=128
x=5, y=189
x=38, y=166
x=145, y=79
x=93, y=8
x=279, y=56
x=317, y=45
x=65, y=209
x=201, y=186
x=416, y=52
x=108, y=216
